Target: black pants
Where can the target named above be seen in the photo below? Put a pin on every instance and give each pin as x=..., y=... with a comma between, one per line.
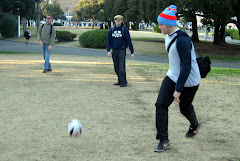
x=119, y=57
x=165, y=99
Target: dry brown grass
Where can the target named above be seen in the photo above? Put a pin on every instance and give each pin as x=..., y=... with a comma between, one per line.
x=118, y=123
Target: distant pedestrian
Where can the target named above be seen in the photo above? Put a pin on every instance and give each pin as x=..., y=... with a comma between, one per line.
x=46, y=37
x=101, y=26
x=119, y=39
x=208, y=29
x=106, y=26
x=181, y=82
x=27, y=35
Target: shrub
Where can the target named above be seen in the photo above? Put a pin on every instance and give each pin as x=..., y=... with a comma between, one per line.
x=182, y=28
x=235, y=35
x=65, y=36
x=229, y=32
x=9, y=26
x=156, y=29
x=57, y=24
x=94, y=39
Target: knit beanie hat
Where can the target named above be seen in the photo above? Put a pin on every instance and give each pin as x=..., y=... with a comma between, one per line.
x=168, y=16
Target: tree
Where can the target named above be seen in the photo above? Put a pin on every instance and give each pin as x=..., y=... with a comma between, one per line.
x=77, y=17
x=100, y=15
x=109, y=9
x=236, y=13
x=119, y=8
x=54, y=10
x=24, y=8
x=148, y=10
x=89, y=9
x=189, y=9
x=27, y=10
x=133, y=14
x=40, y=6
x=220, y=11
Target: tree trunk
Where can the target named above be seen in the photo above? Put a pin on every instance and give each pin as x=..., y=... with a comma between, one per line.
x=136, y=26
x=38, y=16
x=93, y=22
x=126, y=24
x=24, y=24
x=195, y=37
x=219, y=33
x=222, y=34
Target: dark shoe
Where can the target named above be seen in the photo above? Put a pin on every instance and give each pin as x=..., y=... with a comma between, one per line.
x=192, y=131
x=123, y=85
x=49, y=70
x=44, y=71
x=118, y=83
x=163, y=145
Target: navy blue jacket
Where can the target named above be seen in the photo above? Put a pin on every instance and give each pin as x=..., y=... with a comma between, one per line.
x=117, y=41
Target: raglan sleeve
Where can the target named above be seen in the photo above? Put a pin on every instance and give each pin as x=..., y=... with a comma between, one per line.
x=109, y=37
x=184, y=47
x=129, y=41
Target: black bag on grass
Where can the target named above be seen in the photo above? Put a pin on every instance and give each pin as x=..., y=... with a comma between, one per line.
x=204, y=62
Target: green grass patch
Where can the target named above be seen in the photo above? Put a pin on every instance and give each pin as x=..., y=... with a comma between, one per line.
x=224, y=71
x=149, y=39
x=224, y=58
x=214, y=70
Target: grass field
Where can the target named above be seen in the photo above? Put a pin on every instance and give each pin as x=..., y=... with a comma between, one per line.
x=118, y=123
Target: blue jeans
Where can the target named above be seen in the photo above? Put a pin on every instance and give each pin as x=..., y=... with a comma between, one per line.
x=119, y=57
x=46, y=56
x=165, y=99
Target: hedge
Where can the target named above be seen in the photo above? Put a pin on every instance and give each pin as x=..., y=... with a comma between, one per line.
x=156, y=29
x=9, y=26
x=57, y=24
x=235, y=35
x=229, y=32
x=94, y=39
x=65, y=36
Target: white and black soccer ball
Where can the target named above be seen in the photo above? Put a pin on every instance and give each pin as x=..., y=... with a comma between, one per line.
x=74, y=128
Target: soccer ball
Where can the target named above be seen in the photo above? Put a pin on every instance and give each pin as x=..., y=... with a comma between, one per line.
x=74, y=128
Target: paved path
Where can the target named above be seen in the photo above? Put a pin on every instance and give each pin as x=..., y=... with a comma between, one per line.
x=35, y=48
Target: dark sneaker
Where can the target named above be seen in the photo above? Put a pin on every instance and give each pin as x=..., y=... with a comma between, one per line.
x=44, y=71
x=192, y=131
x=123, y=85
x=49, y=70
x=118, y=83
x=163, y=145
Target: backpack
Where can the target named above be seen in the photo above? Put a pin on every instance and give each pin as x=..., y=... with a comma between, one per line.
x=50, y=29
x=204, y=62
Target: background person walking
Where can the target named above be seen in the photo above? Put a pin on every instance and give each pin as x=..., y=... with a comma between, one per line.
x=46, y=37
x=119, y=39
x=181, y=82
x=27, y=35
